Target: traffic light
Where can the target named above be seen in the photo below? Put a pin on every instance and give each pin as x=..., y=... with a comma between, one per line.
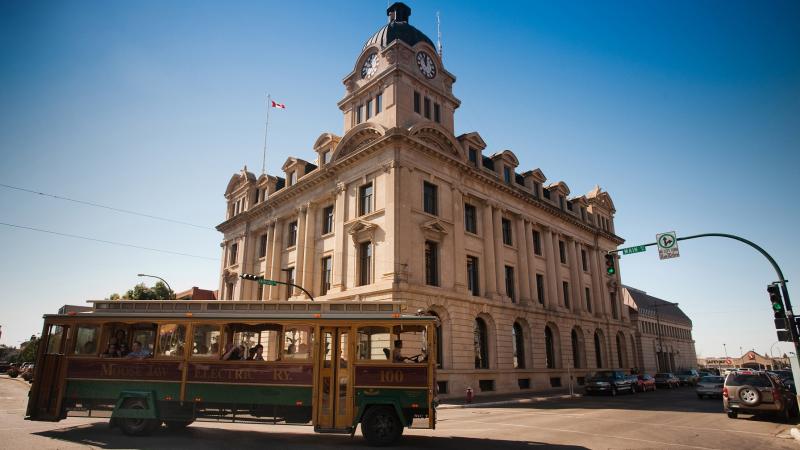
x=250, y=276
x=775, y=298
x=611, y=269
x=781, y=322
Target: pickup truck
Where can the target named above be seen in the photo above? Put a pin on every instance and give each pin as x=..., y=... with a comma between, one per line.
x=611, y=382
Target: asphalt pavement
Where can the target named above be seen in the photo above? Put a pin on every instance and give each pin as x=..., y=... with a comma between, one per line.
x=664, y=419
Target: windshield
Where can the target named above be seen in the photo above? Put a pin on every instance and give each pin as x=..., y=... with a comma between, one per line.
x=605, y=374
x=712, y=380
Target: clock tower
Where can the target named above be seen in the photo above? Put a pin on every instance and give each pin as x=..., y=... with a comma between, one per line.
x=398, y=79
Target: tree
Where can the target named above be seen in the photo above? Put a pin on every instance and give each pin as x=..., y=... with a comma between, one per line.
x=27, y=351
x=159, y=291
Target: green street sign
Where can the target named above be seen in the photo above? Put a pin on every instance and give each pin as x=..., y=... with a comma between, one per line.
x=268, y=282
x=637, y=249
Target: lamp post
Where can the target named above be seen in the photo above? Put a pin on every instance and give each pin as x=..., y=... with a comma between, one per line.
x=165, y=282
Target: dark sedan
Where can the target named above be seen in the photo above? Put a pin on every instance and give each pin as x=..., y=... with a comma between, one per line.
x=667, y=380
x=609, y=382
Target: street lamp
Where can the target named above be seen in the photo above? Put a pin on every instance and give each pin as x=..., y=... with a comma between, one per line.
x=154, y=276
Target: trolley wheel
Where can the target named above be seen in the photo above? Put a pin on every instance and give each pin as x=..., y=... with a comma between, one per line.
x=137, y=427
x=381, y=426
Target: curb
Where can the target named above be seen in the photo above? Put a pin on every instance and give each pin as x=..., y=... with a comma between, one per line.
x=516, y=401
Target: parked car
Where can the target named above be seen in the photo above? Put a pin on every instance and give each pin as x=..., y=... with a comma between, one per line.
x=710, y=386
x=688, y=377
x=786, y=377
x=755, y=392
x=609, y=381
x=645, y=383
x=4, y=366
x=667, y=380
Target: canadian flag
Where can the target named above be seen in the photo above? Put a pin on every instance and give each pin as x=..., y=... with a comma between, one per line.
x=278, y=105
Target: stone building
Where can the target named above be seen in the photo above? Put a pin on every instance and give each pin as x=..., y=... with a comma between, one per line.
x=663, y=333
x=401, y=208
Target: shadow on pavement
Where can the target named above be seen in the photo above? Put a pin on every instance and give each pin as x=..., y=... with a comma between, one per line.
x=682, y=400
x=100, y=435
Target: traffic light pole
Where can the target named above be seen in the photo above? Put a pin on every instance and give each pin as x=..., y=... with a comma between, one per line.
x=261, y=280
x=781, y=280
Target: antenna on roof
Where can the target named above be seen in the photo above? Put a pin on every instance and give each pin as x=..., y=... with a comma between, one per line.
x=438, y=35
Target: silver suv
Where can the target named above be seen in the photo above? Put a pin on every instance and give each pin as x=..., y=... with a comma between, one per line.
x=756, y=392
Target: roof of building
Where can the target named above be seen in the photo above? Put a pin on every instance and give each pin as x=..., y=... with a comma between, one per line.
x=195, y=293
x=398, y=28
x=666, y=310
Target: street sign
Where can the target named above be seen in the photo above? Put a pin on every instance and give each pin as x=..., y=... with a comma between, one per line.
x=637, y=249
x=667, y=245
x=267, y=282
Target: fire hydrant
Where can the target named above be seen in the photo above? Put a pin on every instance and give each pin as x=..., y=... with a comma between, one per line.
x=469, y=395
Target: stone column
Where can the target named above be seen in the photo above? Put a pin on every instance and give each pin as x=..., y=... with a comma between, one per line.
x=459, y=255
x=555, y=264
x=576, y=272
x=309, y=250
x=597, y=286
x=488, y=251
x=299, y=253
x=531, y=269
x=339, y=240
x=523, y=274
x=268, y=258
x=277, y=252
x=602, y=292
x=551, y=274
x=499, y=251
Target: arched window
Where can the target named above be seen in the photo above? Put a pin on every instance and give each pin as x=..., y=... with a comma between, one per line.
x=598, y=348
x=576, y=350
x=549, y=347
x=620, y=355
x=481, y=344
x=518, y=344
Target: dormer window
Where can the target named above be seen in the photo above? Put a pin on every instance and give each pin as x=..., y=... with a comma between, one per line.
x=292, y=178
x=507, y=175
x=325, y=157
x=473, y=156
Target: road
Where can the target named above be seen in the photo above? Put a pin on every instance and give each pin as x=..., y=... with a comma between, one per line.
x=664, y=419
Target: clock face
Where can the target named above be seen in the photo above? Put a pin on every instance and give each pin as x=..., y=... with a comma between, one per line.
x=426, y=65
x=370, y=66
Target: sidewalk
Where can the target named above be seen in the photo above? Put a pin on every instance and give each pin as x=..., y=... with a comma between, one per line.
x=485, y=400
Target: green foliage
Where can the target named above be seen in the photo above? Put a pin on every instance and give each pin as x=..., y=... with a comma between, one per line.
x=28, y=350
x=8, y=353
x=142, y=292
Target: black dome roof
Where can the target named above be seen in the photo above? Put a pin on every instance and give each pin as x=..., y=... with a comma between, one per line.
x=398, y=28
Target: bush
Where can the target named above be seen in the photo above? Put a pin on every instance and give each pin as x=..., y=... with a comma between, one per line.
x=13, y=372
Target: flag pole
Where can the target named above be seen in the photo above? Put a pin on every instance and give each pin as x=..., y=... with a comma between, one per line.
x=266, y=128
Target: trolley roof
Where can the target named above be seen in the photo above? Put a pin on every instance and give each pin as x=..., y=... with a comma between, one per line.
x=241, y=310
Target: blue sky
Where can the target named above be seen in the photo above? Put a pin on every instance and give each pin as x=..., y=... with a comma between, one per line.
x=687, y=112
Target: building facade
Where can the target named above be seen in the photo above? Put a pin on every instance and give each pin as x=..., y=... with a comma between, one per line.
x=663, y=333
x=401, y=208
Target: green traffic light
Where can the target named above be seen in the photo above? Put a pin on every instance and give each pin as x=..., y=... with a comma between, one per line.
x=611, y=271
x=778, y=307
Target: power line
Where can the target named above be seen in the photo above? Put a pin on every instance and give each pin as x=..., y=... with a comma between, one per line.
x=121, y=244
x=97, y=205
